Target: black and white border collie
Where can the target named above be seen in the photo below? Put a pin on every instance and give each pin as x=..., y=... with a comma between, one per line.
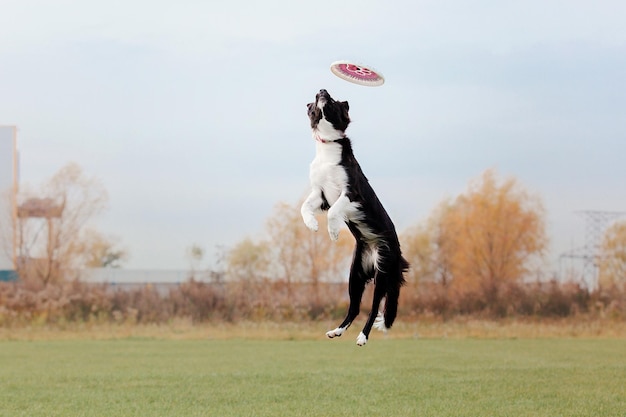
x=339, y=187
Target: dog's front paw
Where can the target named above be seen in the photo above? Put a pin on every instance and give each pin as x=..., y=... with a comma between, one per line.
x=311, y=223
x=334, y=226
x=361, y=339
x=333, y=233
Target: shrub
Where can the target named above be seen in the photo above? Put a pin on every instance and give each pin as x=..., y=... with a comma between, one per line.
x=23, y=303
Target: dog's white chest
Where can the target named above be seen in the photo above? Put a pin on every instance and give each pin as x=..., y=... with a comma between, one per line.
x=326, y=172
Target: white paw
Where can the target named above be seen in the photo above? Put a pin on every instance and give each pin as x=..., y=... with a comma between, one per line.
x=335, y=333
x=361, y=339
x=311, y=223
x=379, y=323
x=333, y=233
x=334, y=226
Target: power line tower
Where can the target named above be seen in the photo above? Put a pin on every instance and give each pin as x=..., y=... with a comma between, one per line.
x=596, y=223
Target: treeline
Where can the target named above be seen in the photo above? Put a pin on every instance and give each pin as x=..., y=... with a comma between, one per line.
x=474, y=255
x=23, y=303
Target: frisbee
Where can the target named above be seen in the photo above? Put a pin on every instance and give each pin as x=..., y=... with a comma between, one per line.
x=357, y=73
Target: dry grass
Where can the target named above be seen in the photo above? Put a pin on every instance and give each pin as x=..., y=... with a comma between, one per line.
x=269, y=310
x=458, y=328
x=515, y=328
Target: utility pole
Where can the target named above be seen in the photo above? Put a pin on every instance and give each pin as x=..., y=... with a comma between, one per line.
x=596, y=223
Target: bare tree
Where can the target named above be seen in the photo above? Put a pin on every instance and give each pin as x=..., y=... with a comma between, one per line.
x=52, y=240
x=302, y=256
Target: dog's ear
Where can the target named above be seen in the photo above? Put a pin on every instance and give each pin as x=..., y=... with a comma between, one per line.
x=346, y=107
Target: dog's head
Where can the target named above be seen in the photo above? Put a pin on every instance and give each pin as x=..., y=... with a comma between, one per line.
x=329, y=118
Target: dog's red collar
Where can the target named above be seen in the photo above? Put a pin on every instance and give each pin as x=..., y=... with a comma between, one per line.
x=321, y=140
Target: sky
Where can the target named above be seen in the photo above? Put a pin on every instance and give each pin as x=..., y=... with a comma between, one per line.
x=192, y=113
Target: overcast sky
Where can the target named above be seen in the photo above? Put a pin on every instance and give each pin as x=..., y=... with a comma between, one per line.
x=193, y=115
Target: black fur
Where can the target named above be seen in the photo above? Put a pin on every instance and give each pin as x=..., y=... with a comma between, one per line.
x=372, y=227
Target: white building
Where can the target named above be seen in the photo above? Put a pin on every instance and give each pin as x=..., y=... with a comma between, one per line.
x=8, y=192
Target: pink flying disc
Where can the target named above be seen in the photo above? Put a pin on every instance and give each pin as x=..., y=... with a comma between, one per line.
x=357, y=73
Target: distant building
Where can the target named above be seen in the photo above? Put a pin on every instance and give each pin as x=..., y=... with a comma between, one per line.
x=8, y=195
x=132, y=279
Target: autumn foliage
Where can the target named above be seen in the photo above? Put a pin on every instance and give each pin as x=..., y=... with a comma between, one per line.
x=612, y=272
x=214, y=302
x=479, y=254
x=291, y=253
x=490, y=236
x=54, y=240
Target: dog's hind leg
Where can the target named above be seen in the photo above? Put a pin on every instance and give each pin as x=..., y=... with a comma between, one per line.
x=396, y=281
x=356, y=286
x=355, y=289
x=380, y=290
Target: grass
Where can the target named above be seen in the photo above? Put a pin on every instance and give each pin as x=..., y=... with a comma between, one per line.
x=460, y=327
x=313, y=377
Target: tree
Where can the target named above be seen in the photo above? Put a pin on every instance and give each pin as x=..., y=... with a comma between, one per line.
x=195, y=254
x=248, y=261
x=429, y=246
x=487, y=236
x=613, y=260
x=100, y=251
x=52, y=226
x=305, y=256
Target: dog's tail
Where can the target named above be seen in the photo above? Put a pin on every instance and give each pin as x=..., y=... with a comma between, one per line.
x=385, y=319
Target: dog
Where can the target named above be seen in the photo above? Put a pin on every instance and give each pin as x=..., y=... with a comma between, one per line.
x=340, y=188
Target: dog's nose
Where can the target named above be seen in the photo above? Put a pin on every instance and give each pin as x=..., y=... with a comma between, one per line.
x=323, y=91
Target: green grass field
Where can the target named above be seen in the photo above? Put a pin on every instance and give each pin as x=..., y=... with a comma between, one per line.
x=403, y=377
